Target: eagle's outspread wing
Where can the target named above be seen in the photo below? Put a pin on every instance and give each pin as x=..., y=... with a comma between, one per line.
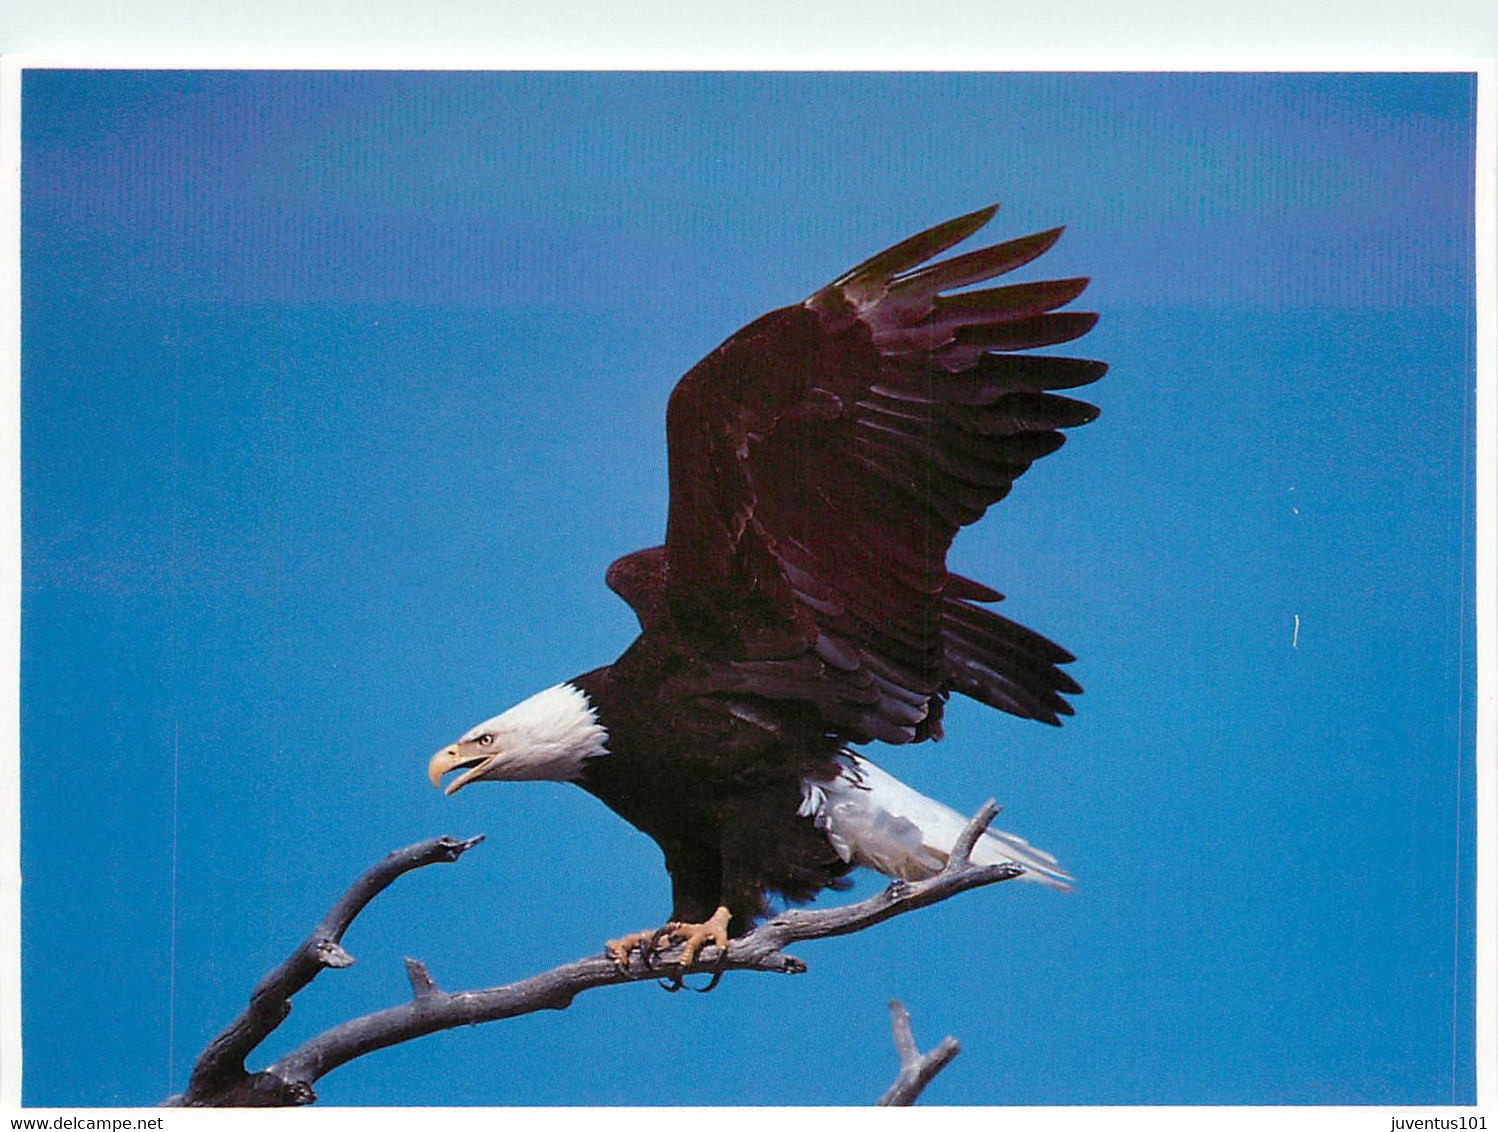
x=824, y=457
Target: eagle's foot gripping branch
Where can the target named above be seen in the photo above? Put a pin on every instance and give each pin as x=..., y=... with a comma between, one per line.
x=694, y=937
x=618, y=949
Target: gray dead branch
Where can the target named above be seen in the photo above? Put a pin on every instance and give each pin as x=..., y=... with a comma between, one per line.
x=220, y=1077
x=916, y=1068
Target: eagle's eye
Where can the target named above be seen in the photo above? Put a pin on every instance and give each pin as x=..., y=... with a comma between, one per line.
x=486, y=739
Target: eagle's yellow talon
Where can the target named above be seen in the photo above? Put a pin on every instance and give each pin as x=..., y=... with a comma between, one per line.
x=618, y=949
x=695, y=937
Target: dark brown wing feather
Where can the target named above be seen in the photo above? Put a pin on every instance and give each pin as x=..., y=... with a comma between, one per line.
x=823, y=458
x=985, y=656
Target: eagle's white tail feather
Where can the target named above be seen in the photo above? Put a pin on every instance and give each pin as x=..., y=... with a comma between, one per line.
x=873, y=819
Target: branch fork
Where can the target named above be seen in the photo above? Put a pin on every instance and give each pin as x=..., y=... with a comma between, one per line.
x=916, y=1068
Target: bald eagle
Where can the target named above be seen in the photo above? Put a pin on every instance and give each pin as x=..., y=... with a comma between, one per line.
x=821, y=461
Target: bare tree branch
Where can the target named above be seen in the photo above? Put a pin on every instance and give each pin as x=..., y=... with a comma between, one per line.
x=220, y=1079
x=916, y=1069
x=219, y=1075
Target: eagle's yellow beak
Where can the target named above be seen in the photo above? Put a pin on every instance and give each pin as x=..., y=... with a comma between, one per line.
x=442, y=762
x=451, y=758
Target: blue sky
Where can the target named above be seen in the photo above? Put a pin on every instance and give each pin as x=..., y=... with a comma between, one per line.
x=340, y=391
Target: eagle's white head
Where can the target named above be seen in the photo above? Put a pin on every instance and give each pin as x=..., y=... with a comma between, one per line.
x=548, y=736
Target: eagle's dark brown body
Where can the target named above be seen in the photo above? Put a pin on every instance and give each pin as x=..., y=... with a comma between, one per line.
x=728, y=827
